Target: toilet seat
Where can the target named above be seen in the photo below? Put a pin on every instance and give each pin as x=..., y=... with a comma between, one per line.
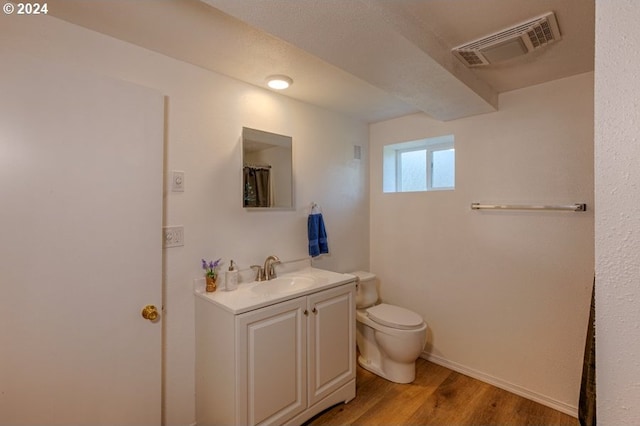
x=395, y=317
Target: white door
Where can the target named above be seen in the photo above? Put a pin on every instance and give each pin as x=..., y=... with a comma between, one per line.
x=80, y=247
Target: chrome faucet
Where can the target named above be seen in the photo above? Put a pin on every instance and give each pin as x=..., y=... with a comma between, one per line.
x=268, y=270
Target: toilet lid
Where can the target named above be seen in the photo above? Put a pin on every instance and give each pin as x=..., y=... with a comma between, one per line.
x=394, y=316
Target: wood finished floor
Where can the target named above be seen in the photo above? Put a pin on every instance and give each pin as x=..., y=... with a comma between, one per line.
x=438, y=396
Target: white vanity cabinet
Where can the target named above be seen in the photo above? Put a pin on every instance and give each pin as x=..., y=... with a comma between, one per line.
x=278, y=364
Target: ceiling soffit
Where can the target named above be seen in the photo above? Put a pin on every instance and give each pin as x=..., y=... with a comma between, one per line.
x=194, y=32
x=377, y=43
x=369, y=59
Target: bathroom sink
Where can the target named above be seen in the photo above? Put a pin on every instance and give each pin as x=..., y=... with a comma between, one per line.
x=253, y=295
x=283, y=285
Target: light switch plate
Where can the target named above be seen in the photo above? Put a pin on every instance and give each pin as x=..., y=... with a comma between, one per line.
x=177, y=181
x=172, y=236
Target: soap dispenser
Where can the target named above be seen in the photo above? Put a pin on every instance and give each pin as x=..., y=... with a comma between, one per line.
x=231, y=278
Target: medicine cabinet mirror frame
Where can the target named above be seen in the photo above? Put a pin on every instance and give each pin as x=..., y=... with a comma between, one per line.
x=267, y=170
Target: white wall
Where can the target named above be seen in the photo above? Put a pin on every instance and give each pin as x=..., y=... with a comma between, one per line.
x=617, y=165
x=505, y=294
x=204, y=123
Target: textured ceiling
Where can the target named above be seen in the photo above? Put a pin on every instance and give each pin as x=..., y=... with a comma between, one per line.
x=460, y=21
x=371, y=59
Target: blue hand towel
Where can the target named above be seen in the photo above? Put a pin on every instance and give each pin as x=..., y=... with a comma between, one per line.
x=317, y=235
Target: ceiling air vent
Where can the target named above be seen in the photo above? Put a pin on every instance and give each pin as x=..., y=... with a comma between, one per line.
x=511, y=42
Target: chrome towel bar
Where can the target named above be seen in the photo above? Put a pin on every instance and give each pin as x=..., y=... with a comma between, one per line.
x=578, y=207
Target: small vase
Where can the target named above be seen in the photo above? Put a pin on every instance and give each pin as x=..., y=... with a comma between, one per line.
x=211, y=284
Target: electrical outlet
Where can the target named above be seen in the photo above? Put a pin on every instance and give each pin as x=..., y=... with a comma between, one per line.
x=172, y=236
x=177, y=181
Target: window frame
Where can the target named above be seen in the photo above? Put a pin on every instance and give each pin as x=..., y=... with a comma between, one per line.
x=393, y=166
x=399, y=169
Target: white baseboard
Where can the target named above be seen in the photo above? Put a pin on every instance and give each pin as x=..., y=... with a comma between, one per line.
x=510, y=387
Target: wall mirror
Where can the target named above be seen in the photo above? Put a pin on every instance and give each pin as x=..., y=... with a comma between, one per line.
x=267, y=170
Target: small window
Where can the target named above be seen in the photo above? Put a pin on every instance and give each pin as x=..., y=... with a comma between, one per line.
x=422, y=165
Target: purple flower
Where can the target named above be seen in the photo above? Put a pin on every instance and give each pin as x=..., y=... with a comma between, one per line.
x=211, y=267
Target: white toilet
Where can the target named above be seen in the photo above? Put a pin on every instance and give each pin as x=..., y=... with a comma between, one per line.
x=390, y=338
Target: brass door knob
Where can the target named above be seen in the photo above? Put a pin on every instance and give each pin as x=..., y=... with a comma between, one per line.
x=150, y=312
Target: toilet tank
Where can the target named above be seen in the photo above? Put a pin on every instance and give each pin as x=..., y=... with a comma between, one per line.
x=366, y=291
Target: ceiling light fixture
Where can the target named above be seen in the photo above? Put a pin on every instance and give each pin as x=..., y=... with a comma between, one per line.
x=279, y=82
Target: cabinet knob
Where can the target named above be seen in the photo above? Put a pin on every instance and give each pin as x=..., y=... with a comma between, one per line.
x=306, y=313
x=315, y=311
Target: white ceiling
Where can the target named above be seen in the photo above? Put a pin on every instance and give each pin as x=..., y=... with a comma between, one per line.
x=371, y=59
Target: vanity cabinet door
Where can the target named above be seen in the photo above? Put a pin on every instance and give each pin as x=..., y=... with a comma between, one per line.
x=271, y=363
x=331, y=340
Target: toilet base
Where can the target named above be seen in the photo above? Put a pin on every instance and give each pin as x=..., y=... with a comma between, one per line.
x=393, y=371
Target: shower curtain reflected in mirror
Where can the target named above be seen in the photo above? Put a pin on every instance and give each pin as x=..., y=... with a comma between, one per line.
x=257, y=186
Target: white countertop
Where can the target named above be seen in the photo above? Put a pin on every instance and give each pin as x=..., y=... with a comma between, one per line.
x=243, y=299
